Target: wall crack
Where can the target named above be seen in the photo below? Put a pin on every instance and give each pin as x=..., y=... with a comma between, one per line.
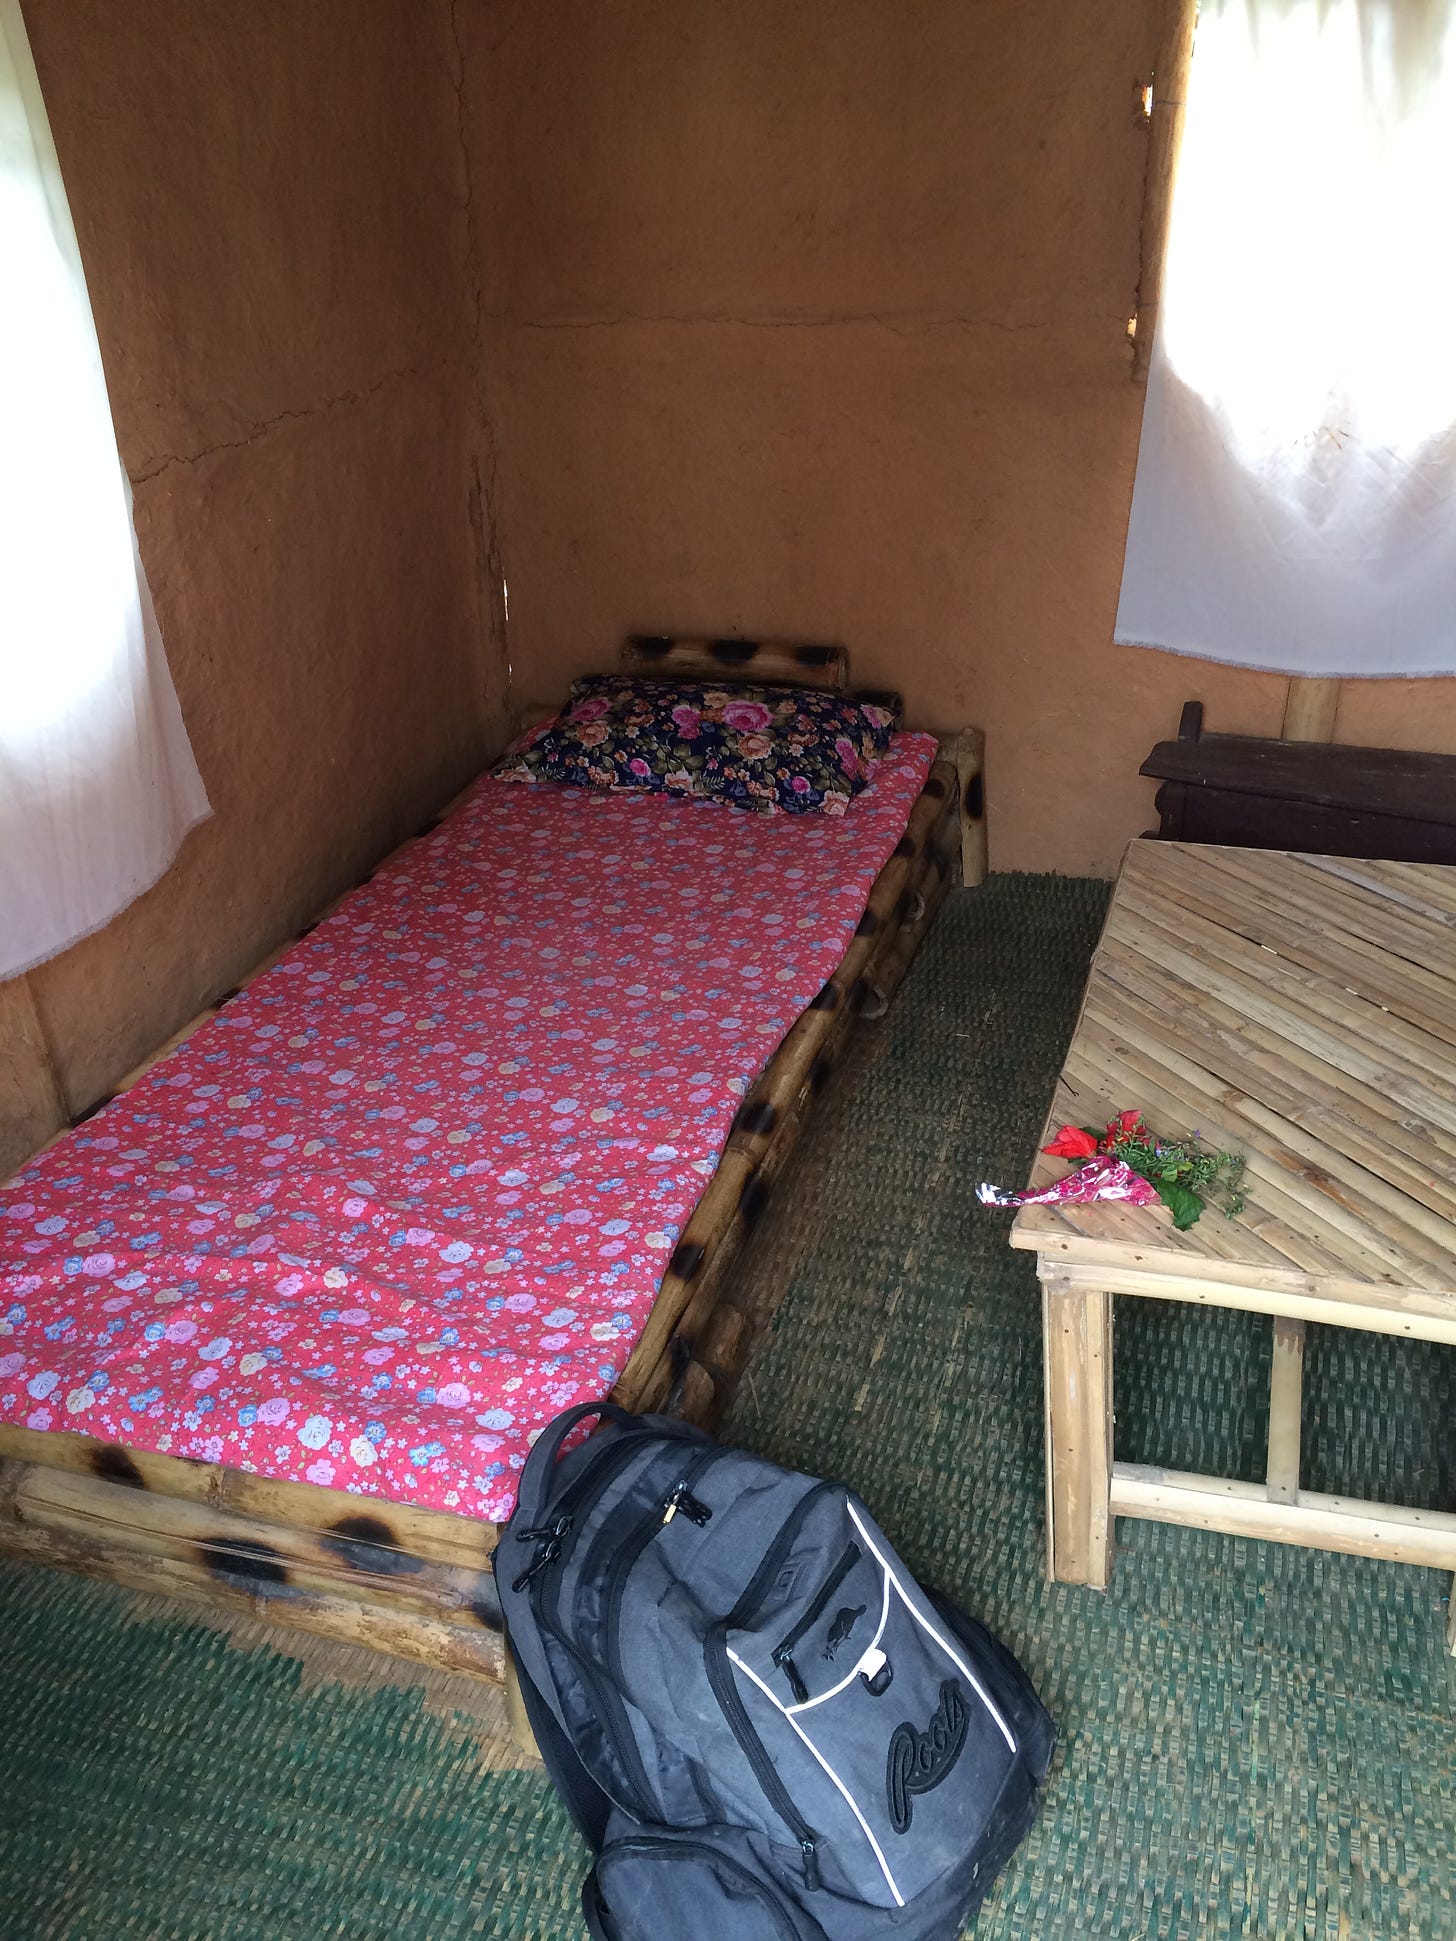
x=903, y=326
x=165, y=461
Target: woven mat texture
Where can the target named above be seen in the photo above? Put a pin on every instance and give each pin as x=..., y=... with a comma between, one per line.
x=1255, y=1741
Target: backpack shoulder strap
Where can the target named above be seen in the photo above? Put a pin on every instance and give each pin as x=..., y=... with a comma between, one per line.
x=535, y=1486
x=534, y=1491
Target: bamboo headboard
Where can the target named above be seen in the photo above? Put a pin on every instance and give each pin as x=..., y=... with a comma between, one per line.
x=787, y=664
x=768, y=661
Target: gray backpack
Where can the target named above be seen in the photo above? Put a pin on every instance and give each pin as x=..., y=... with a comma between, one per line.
x=764, y=1727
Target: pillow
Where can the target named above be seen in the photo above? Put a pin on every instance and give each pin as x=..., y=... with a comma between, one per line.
x=800, y=750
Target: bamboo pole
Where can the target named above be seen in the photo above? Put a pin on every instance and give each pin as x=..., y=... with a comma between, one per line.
x=1322, y=1522
x=381, y=1625
x=35, y=1037
x=1286, y=1381
x=968, y=751
x=1310, y=708
x=435, y=1536
x=270, y=1560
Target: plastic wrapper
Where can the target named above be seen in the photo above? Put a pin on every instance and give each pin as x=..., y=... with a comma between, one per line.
x=1101, y=1178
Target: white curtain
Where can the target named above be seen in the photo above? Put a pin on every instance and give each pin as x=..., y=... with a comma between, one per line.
x=97, y=782
x=1295, y=503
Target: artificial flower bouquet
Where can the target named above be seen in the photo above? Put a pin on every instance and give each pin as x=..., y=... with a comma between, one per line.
x=1126, y=1161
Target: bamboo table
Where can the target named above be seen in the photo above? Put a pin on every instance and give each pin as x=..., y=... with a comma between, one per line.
x=1301, y=1010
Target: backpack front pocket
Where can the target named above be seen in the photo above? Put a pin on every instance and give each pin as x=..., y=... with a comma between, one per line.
x=884, y=1732
x=648, y=1888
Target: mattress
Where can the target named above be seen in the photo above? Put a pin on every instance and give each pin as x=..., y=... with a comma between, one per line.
x=412, y=1192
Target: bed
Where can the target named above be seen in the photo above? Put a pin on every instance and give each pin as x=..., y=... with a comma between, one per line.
x=277, y=1321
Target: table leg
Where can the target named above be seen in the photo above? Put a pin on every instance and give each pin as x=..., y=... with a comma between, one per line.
x=1286, y=1383
x=1077, y=1338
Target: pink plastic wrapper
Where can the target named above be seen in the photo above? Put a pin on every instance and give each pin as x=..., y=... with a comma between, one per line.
x=1103, y=1178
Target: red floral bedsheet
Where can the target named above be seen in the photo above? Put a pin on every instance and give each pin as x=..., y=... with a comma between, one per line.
x=413, y=1191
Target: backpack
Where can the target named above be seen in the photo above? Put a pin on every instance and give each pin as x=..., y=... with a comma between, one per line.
x=763, y=1726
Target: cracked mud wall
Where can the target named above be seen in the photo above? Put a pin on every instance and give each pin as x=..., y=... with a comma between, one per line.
x=271, y=202
x=809, y=323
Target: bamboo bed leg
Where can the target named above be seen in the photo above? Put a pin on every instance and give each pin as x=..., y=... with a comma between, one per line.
x=1077, y=1337
x=1286, y=1380
x=968, y=751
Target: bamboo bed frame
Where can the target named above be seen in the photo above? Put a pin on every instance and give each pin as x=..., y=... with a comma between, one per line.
x=417, y=1583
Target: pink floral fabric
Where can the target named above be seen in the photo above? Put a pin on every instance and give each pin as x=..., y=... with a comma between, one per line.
x=413, y=1191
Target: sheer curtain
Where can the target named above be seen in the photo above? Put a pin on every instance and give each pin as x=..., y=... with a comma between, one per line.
x=97, y=781
x=1295, y=503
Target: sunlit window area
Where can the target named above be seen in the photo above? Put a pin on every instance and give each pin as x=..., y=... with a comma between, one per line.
x=1298, y=444
x=97, y=783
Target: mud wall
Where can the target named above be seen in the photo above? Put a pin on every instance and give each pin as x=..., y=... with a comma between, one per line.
x=273, y=205
x=809, y=322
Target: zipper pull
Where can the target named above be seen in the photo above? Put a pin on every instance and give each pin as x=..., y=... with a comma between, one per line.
x=538, y=1531
x=549, y=1551
x=791, y=1671
x=547, y=1554
x=809, y=1847
x=683, y=1499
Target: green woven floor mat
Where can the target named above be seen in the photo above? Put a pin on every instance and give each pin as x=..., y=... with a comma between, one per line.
x=1256, y=1741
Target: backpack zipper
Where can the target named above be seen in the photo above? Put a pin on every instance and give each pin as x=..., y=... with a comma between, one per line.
x=657, y=1518
x=583, y=1490
x=683, y=1499
x=783, y=1651
x=720, y=1679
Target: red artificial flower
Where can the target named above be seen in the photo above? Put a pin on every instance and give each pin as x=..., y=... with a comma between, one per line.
x=1072, y=1143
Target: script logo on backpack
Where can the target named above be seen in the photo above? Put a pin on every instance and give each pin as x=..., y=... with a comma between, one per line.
x=919, y=1761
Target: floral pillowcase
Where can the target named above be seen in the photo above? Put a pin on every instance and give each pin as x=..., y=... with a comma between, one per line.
x=763, y=748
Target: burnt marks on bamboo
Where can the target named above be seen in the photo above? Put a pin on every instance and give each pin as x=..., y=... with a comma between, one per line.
x=687, y=1257
x=974, y=800
x=880, y=697
x=484, y=1603
x=245, y=1566
x=868, y=925
x=366, y=1543
x=733, y=653
x=112, y=1464
x=752, y=1200
x=820, y=1071
x=781, y=660
x=757, y=1116
x=905, y=848
x=828, y=998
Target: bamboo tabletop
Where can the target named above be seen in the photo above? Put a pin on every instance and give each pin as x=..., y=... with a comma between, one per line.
x=1300, y=1010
